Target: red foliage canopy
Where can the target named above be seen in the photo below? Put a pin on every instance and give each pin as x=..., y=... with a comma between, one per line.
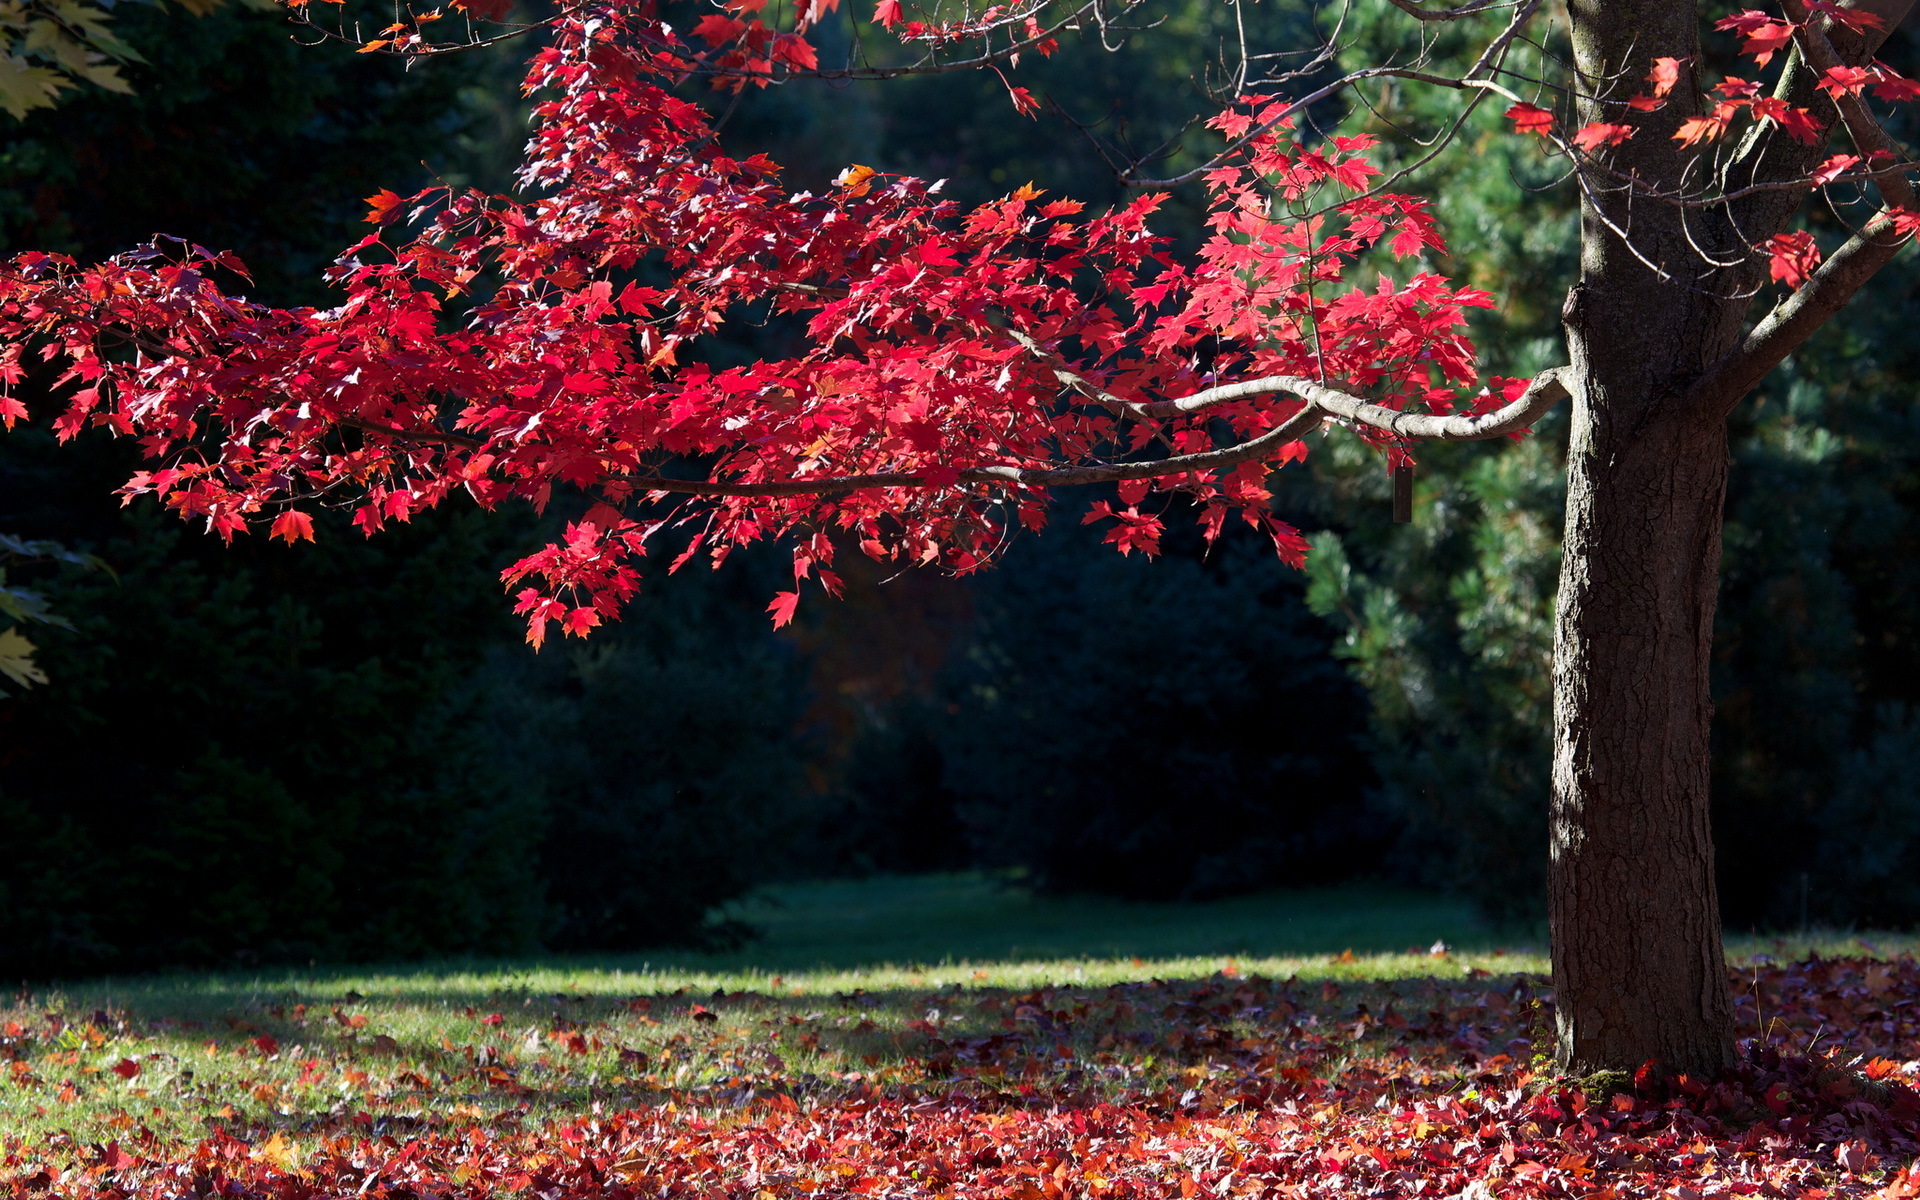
x=949, y=366
x=954, y=363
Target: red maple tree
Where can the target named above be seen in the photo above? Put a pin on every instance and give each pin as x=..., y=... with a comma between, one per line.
x=959, y=364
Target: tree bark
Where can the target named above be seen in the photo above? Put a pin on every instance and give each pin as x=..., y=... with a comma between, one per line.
x=1638, y=967
x=1639, y=971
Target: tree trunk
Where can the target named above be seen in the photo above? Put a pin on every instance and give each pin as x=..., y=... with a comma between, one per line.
x=1639, y=972
x=1637, y=963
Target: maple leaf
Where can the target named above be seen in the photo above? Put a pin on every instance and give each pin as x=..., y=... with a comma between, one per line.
x=796, y=51
x=1833, y=168
x=385, y=207
x=292, y=525
x=782, y=607
x=1694, y=130
x=718, y=29
x=1856, y=19
x=887, y=12
x=1599, y=134
x=856, y=179
x=1531, y=118
x=1665, y=73
x=1795, y=256
x=1844, y=80
x=1890, y=86
x=126, y=1068
x=1762, y=34
x=1798, y=122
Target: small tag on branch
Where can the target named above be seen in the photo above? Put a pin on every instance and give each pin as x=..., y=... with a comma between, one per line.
x=1402, y=492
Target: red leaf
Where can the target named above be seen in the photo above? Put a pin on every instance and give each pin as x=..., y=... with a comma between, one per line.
x=795, y=51
x=1665, y=73
x=292, y=525
x=1601, y=134
x=1858, y=20
x=1531, y=118
x=1795, y=257
x=1763, y=34
x=887, y=12
x=782, y=607
x=1841, y=80
x=1702, y=129
x=385, y=207
x=1833, y=168
x=719, y=30
x=126, y=1068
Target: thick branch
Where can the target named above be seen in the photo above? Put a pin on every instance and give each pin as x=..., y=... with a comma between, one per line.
x=1825, y=293
x=1547, y=390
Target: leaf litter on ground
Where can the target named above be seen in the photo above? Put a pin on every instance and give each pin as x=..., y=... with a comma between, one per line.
x=1234, y=1084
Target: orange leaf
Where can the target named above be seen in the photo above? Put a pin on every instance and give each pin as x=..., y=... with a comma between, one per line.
x=385, y=207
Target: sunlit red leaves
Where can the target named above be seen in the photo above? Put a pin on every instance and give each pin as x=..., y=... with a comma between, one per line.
x=1833, y=168
x=384, y=206
x=1857, y=19
x=1798, y=122
x=796, y=51
x=1792, y=257
x=911, y=369
x=292, y=525
x=1844, y=80
x=1695, y=130
x=1665, y=73
x=719, y=29
x=1531, y=118
x=1601, y=133
x=1762, y=35
x=887, y=13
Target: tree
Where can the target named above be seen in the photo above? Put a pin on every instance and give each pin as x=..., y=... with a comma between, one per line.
x=953, y=365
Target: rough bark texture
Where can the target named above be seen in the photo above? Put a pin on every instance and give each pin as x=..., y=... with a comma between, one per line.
x=1639, y=971
x=1635, y=919
x=1638, y=966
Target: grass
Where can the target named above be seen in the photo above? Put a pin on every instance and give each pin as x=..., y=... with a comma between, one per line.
x=839, y=995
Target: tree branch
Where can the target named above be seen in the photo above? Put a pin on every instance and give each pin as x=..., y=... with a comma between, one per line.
x=1867, y=133
x=1448, y=14
x=1791, y=322
x=1547, y=390
x=428, y=436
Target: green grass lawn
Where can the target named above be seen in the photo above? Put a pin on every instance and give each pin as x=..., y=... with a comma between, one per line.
x=837, y=993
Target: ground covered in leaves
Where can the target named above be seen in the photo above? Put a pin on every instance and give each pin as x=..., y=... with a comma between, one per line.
x=1239, y=1083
